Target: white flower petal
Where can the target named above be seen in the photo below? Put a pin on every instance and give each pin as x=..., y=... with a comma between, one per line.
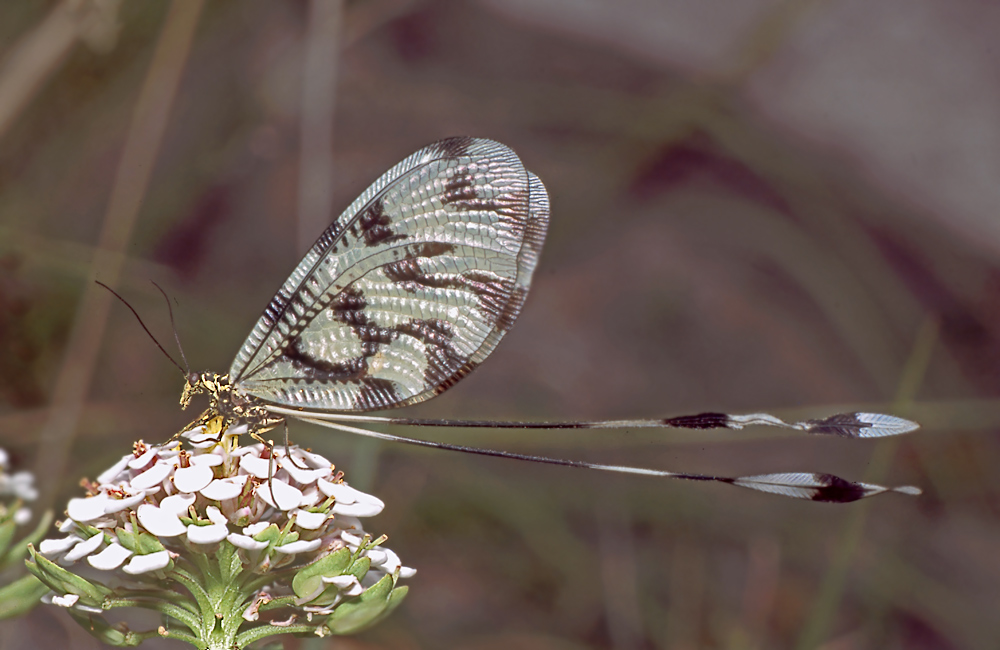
x=56, y=546
x=110, y=558
x=112, y=472
x=349, y=501
x=177, y=504
x=391, y=561
x=152, y=477
x=21, y=485
x=65, y=601
x=278, y=494
x=347, y=584
x=311, y=497
x=304, y=476
x=22, y=516
x=351, y=540
x=245, y=542
x=339, y=491
x=149, y=562
x=256, y=466
x=207, y=459
x=193, y=478
x=160, y=522
x=87, y=508
x=311, y=459
x=215, y=516
x=224, y=488
x=377, y=556
x=363, y=509
x=407, y=572
x=67, y=525
x=255, y=528
x=207, y=534
x=117, y=505
x=85, y=548
x=301, y=546
x=309, y=520
x=143, y=460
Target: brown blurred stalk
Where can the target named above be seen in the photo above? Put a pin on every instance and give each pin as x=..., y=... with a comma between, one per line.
x=142, y=145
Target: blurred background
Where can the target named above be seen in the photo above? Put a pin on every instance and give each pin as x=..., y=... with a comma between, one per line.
x=781, y=205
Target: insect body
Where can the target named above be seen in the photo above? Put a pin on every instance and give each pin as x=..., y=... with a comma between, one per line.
x=410, y=289
x=403, y=295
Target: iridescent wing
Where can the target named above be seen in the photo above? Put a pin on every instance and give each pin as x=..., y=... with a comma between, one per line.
x=408, y=290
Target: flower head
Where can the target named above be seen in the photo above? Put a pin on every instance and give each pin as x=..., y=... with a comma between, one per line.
x=280, y=526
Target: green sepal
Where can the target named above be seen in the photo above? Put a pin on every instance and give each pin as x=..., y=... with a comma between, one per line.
x=355, y=615
x=20, y=596
x=269, y=534
x=147, y=543
x=127, y=539
x=62, y=581
x=359, y=568
x=310, y=577
x=98, y=626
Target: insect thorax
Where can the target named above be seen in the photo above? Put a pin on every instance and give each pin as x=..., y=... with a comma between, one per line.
x=227, y=402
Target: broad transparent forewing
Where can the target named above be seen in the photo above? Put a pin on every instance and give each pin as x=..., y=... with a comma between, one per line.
x=408, y=290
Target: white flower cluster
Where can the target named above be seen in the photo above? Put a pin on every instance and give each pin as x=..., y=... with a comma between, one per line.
x=20, y=485
x=163, y=502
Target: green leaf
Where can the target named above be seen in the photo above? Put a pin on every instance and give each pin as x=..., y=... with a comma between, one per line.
x=355, y=615
x=64, y=582
x=20, y=596
x=116, y=635
x=19, y=550
x=7, y=528
x=309, y=578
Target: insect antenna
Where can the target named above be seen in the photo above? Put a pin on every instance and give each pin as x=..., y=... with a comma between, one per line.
x=173, y=326
x=148, y=333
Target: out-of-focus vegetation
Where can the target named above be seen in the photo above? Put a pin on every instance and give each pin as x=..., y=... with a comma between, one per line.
x=700, y=258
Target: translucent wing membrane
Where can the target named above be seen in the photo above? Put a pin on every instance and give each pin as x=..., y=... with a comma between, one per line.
x=408, y=290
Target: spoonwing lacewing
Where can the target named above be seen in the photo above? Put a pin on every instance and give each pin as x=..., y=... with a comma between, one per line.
x=410, y=289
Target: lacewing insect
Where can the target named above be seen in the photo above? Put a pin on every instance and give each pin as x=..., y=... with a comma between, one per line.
x=410, y=289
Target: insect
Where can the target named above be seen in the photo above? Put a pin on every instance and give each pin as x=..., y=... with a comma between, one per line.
x=410, y=289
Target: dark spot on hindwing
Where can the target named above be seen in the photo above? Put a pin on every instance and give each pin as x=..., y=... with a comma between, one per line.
x=699, y=421
x=837, y=490
x=374, y=224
